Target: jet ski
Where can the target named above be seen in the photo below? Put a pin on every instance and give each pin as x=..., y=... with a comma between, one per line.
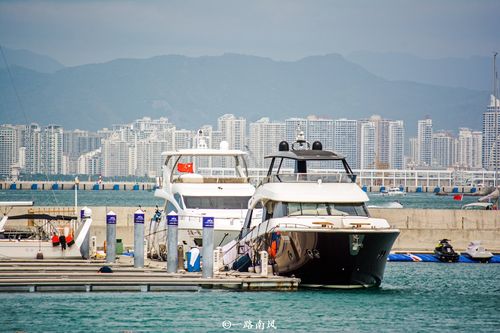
x=476, y=251
x=444, y=251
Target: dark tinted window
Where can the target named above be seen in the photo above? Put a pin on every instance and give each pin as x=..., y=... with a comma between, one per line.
x=216, y=202
x=320, y=209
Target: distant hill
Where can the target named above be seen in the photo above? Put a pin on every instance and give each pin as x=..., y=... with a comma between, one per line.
x=472, y=73
x=195, y=91
x=30, y=60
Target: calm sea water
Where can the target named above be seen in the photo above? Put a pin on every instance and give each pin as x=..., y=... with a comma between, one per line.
x=147, y=199
x=414, y=297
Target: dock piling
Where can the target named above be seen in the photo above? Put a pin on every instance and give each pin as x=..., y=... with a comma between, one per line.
x=85, y=213
x=172, y=236
x=138, y=239
x=208, y=247
x=110, y=237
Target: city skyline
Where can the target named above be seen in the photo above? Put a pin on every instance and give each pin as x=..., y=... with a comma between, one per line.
x=135, y=148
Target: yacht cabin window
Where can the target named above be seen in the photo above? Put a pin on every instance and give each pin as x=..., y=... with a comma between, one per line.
x=214, y=202
x=178, y=198
x=282, y=209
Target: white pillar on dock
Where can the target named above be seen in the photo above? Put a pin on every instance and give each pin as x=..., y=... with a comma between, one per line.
x=172, y=236
x=138, y=239
x=208, y=247
x=110, y=237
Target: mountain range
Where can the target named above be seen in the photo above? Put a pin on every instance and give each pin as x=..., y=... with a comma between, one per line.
x=195, y=91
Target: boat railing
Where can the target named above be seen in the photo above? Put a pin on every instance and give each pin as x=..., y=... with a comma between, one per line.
x=310, y=178
x=199, y=179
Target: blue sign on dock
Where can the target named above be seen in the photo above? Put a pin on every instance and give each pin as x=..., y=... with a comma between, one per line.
x=172, y=220
x=139, y=217
x=111, y=218
x=208, y=222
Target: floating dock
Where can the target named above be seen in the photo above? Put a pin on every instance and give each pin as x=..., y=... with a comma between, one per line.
x=429, y=257
x=83, y=276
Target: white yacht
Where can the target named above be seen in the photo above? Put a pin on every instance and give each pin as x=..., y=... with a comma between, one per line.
x=476, y=251
x=314, y=226
x=42, y=237
x=394, y=191
x=202, y=182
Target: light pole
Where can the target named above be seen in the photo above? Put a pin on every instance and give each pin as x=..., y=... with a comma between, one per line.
x=77, y=181
x=495, y=154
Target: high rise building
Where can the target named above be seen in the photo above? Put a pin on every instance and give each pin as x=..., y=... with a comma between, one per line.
x=33, y=141
x=346, y=140
x=442, y=149
x=388, y=142
x=367, y=146
x=413, y=152
x=182, y=139
x=90, y=163
x=264, y=138
x=491, y=135
x=382, y=146
x=8, y=149
x=76, y=143
x=52, y=150
x=115, y=156
x=149, y=159
x=425, y=142
x=314, y=129
x=293, y=126
x=396, y=144
x=469, y=149
x=234, y=131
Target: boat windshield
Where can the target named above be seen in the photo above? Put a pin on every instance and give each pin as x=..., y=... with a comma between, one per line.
x=207, y=167
x=320, y=209
x=214, y=202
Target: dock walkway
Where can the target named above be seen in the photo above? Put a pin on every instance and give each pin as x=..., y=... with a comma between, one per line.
x=83, y=276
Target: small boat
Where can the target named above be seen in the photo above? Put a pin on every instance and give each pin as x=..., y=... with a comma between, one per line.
x=394, y=191
x=445, y=252
x=476, y=251
x=47, y=236
x=478, y=206
x=390, y=205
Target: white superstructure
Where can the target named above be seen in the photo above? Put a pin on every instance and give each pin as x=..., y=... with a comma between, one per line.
x=192, y=189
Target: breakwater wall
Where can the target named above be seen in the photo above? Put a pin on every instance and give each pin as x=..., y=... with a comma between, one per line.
x=131, y=186
x=421, y=229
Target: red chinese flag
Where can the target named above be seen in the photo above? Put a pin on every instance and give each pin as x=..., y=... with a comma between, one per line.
x=185, y=167
x=458, y=197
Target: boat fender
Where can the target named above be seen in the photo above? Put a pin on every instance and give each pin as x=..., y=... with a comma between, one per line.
x=69, y=240
x=55, y=240
x=272, y=250
x=105, y=269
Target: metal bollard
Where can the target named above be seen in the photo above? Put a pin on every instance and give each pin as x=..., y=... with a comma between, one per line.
x=208, y=247
x=138, y=239
x=264, y=258
x=110, y=237
x=218, y=259
x=180, y=257
x=172, y=231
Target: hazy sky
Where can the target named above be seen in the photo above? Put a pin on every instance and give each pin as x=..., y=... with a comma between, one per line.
x=77, y=32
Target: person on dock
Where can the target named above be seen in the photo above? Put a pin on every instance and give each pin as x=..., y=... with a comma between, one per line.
x=62, y=241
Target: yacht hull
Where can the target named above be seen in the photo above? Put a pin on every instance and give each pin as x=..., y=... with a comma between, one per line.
x=28, y=249
x=333, y=259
